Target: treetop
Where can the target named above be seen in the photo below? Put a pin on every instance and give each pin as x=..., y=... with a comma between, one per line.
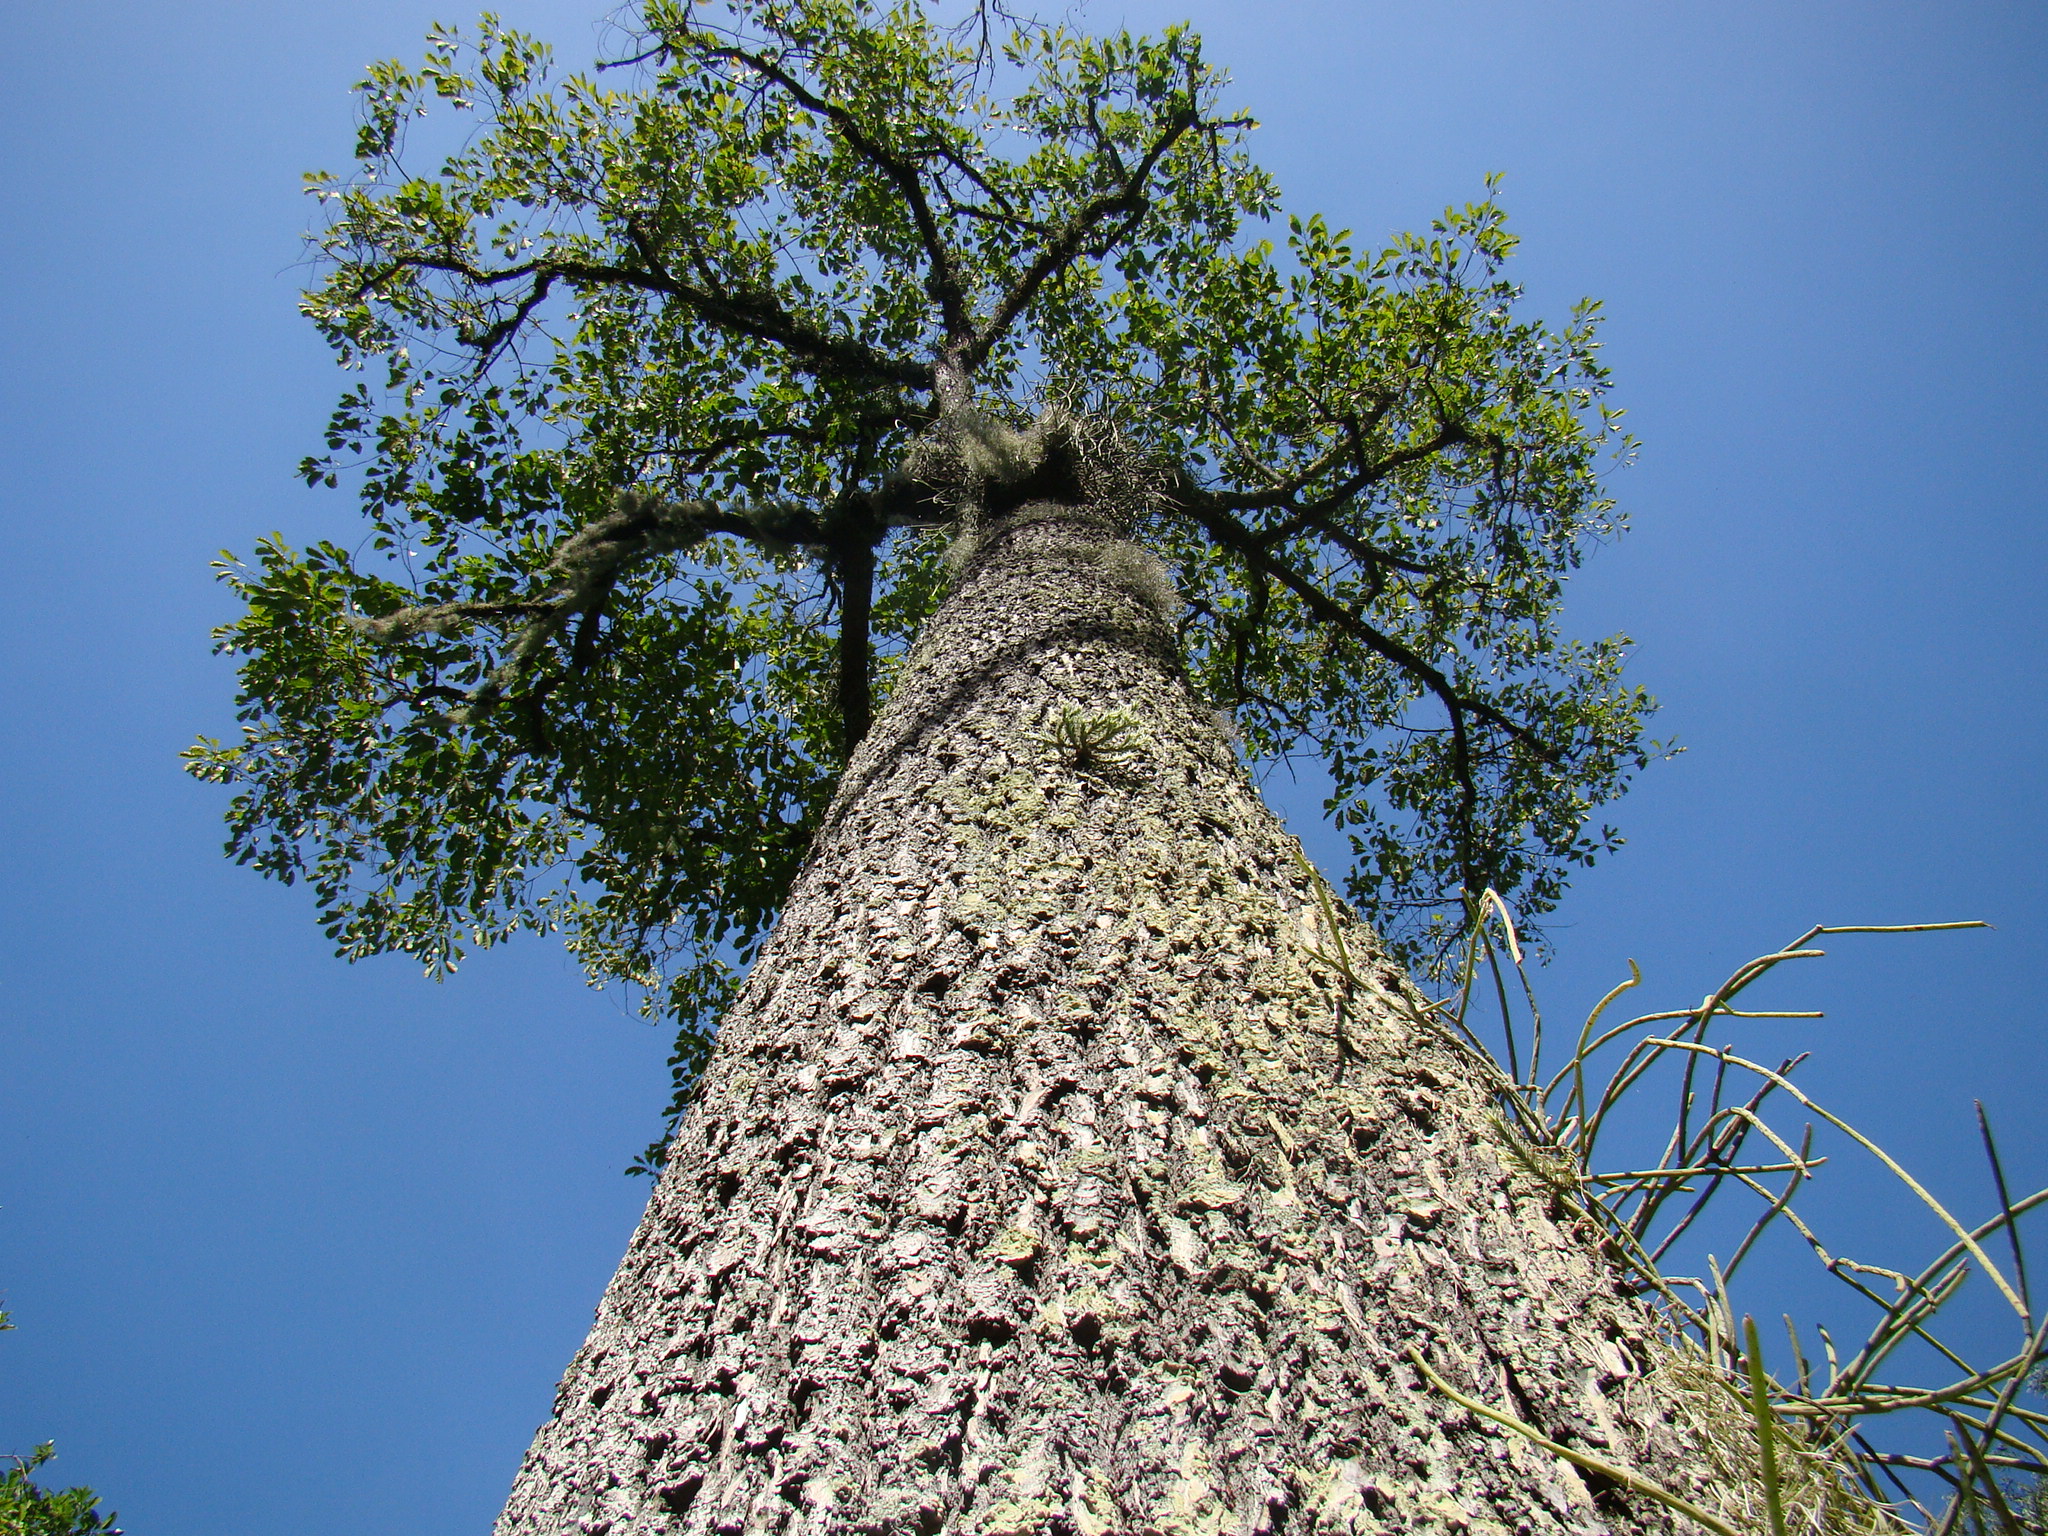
x=675, y=378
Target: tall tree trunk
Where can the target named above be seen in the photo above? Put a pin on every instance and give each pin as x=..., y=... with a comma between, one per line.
x=1045, y=1180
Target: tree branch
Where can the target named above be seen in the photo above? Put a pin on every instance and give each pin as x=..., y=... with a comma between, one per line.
x=1235, y=537
x=1246, y=545
x=756, y=315
x=946, y=286
x=1005, y=210
x=856, y=611
x=1001, y=218
x=1282, y=496
x=581, y=573
x=487, y=343
x=1072, y=239
x=1314, y=518
x=1244, y=630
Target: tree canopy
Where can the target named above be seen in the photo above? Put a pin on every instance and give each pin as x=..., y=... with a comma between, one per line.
x=672, y=393
x=30, y=1510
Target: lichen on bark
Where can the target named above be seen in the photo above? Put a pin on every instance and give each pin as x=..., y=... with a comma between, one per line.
x=1048, y=1181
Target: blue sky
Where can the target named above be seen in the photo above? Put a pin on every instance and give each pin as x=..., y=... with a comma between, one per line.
x=300, y=1248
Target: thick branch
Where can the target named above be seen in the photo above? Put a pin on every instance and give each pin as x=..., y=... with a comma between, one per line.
x=584, y=568
x=856, y=663
x=440, y=618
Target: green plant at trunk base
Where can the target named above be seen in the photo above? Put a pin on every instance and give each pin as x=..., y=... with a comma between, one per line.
x=675, y=391
x=1826, y=1448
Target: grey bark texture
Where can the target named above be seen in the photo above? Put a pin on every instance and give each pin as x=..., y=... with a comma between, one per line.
x=1045, y=1182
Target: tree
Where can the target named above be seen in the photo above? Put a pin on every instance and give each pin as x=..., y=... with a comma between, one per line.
x=1070, y=1158
x=28, y=1509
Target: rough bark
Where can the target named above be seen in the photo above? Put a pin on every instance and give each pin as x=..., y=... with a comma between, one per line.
x=1046, y=1181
